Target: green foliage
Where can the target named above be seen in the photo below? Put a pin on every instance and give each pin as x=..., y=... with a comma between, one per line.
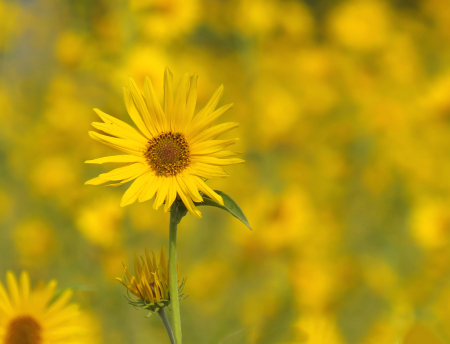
x=229, y=205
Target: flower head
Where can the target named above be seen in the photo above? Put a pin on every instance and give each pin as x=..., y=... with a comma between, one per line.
x=173, y=152
x=27, y=316
x=150, y=283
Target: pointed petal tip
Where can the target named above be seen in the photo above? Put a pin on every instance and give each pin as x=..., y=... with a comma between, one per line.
x=148, y=80
x=124, y=204
x=167, y=72
x=197, y=214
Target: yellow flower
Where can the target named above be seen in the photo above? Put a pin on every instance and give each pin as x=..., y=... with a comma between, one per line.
x=173, y=152
x=29, y=317
x=150, y=283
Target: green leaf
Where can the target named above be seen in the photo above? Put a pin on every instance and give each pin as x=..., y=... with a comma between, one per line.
x=229, y=205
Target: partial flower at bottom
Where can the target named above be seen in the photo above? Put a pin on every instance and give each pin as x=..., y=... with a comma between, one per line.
x=150, y=283
x=28, y=316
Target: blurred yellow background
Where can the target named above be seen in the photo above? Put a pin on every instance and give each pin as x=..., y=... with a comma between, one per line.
x=344, y=112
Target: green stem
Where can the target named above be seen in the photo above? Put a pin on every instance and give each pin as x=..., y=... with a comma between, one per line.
x=173, y=278
x=163, y=317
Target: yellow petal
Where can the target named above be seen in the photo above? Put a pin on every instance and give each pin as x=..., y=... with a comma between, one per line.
x=134, y=113
x=63, y=316
x=46, y=293
x=203, y=187
x=199, y=125
x=168, y=96
x=208, y=171
x=171, y=194
x=191, y=100
x=13, y=288
x=25, y=286
x=137, y=267
x=187, y=180
x=162, y=193
x=96, y=181
x=212, y=146
x=179, y=108
x=187, y=200
x=110, y=120
x=141, y=107
x=210, y=106
x=5, y=303
x=153, y=184
x=124, y=145
x=114, y=185
x=133, y=192
x=116, y=159
x=154, y=107
x=114, y=130
x=125, y=172
x=224, y=154
x=215, y=161
x=59, y=303
x=214, y=132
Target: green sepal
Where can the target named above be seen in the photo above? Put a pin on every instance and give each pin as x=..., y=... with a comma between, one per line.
x=180, y=210
x=229, y=205
x=158, y=304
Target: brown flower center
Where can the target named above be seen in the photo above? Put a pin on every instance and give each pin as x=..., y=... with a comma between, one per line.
x=168, y=154
x=23, y=330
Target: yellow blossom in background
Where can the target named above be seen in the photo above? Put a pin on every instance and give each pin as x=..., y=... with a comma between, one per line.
x=361, y=24
x=166, y=19
x=319, y=329
x=174, y=152
x=35, y=241
x=9, y=17
x=99, y=222
x=344, y=113
x=69, y=48
x=61, y=178
x=430, y=224
x=33, y=316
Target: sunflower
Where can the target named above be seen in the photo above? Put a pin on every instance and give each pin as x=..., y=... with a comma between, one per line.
x=29, y=317
x=150, y=283
x=173, y=152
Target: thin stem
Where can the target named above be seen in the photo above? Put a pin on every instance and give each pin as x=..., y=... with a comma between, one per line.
x=163, y=317
x=173, y=278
